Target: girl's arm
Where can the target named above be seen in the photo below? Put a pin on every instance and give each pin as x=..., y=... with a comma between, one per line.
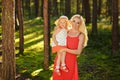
x=54, y=36
x=80, y=46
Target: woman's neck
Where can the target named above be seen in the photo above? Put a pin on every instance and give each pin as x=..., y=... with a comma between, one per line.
x=74, y=30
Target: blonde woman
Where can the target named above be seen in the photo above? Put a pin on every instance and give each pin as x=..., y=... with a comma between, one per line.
x=76, y=40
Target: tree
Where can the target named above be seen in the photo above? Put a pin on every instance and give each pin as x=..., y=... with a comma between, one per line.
x=8, y=41
x=94, y=19
x=0, y=68
x=99, y=7
x=21, y=31
x=46, y=36
x=67, y=7
x=27, y=7
x=49, y=29
x=16, y=17
x=41, y=7
x=87, y=10
x=109, y=7
x=55, y=10
x=78, y=7
x=115, y=27
x=62, y=6
x=37, y=8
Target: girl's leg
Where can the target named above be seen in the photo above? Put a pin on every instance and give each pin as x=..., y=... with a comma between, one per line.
x=58, y=59
x=62, y=59
x=57, y=67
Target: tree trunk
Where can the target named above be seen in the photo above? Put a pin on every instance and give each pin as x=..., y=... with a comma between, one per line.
x=49, y=28
x=62, y=6
x=37, y=8
x=115, y=27
x=67, y=7
x=21, y=33
x=16, y=17
x=109, y=7
x=27, y=5
x=83, y=10
x=99, y=7
x=87, y=10
x=22, y=6
x=94, y=19
x=8, y=41
x=42, y=2
x=46, y=36
x=29, y=9
x=78, y=7
x=0, y=68
x=55, y=10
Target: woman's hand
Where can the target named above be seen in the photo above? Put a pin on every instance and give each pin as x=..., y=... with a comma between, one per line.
x=63, y=50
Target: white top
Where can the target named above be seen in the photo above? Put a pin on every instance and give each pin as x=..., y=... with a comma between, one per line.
x=61, y=38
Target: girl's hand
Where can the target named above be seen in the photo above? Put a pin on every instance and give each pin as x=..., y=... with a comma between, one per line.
x=56, y=43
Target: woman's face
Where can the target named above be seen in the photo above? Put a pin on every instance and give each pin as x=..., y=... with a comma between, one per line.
x=76, y=23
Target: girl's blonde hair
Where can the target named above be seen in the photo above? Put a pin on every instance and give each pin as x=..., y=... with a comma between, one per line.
x=62, y=17
x=82, y=28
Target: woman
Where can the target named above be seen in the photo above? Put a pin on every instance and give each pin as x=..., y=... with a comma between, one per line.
x=76, y=41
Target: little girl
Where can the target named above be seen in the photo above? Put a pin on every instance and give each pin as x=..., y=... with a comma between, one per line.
x=59, y=42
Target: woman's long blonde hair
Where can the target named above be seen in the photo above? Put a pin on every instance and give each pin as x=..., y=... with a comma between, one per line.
x=82, y=28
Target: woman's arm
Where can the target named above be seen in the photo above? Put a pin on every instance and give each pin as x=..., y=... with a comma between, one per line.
x=80, y=46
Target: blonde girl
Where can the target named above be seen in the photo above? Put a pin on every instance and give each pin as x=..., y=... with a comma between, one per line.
x=59, y=42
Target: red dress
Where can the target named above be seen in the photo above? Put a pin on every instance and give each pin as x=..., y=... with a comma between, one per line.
x=70, y=60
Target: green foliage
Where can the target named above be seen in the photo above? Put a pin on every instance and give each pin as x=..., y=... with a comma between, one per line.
x=96, y=61
x=30, y=65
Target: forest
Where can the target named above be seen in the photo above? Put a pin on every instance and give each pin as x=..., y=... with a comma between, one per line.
x=26, y=28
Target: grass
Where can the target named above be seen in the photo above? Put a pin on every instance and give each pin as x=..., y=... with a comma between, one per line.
x=95, y=63
x=30, y=65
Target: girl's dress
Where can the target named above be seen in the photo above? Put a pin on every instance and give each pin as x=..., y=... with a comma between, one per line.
x=71, y=61
x=61, y=39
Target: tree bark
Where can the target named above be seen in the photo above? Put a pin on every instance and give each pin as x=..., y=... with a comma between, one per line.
x=109, y=7
x=62, y=6
x=83, y=10
x=21, y=31
x=49, y=28
x=78, y=7
x=99, y=7
x=67, y=7
x=0, y=68
x=28, y=8
x=55, y=10
x=87, y=10
x=42, y=2
x=8, y=41
x=115, y=27
x=37, y=8
x=94, y=19
x=46, y=35
x=16, y=17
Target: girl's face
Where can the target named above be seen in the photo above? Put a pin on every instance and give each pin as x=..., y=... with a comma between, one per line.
x=62, y=23
x=76, y=23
